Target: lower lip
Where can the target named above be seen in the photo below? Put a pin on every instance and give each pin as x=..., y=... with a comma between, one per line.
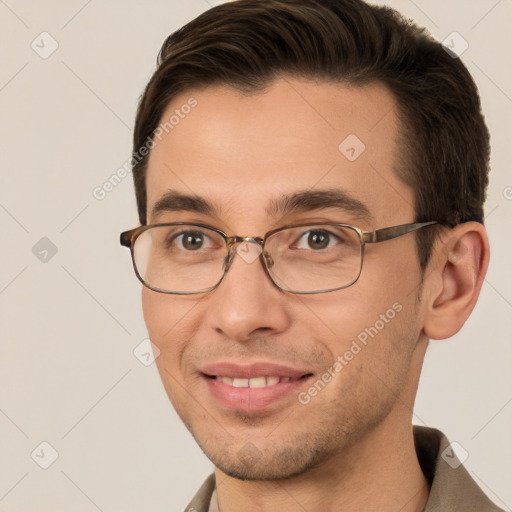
x=251, y=399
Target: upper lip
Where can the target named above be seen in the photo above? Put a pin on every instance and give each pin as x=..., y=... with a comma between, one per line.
x=249, y=371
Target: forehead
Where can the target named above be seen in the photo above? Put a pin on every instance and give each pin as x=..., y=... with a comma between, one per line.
x=242, y=153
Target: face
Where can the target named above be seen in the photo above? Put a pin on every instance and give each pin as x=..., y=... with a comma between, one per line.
x=318, y=372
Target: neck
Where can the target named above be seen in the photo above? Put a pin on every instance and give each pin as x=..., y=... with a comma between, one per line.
x=380, y=472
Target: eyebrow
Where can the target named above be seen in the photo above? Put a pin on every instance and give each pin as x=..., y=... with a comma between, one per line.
x=297, y=202
x=310, y=200
x=173, y=201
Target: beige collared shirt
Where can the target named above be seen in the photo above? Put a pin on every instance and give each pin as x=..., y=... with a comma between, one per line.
x=452, y=488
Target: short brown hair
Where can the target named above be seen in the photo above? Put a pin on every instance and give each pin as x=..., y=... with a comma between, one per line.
x=248, y=43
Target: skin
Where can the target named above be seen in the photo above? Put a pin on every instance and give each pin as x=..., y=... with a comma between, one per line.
x=351, y=447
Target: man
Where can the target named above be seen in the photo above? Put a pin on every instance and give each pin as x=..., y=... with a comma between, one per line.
x=310, y=178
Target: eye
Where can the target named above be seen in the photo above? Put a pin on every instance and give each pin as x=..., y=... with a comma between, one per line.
x=317, y=239
x=190, y=240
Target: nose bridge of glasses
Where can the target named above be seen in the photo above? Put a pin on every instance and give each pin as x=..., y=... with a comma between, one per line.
x=232, y=241
x=248, y=248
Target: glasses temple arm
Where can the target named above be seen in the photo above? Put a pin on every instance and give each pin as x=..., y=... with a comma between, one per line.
x=381, y=235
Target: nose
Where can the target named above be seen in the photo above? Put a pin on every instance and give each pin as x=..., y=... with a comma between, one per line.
x=246, y=303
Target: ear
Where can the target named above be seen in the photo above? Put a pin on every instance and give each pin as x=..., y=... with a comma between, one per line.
x=460, y=261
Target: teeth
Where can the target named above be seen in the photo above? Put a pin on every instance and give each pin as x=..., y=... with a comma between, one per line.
x=255, y=382
x=241, y=383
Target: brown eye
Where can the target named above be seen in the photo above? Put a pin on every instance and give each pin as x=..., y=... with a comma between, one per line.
x=191, y=240
x=318, y=239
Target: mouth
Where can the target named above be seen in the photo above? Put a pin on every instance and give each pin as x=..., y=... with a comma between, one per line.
x=252, y=388
x=255, y=382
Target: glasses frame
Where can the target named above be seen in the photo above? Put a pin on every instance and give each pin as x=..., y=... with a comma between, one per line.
x=128, y=238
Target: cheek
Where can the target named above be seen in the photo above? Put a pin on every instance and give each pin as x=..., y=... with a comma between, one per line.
x=167, y=321
x=374, y=357
x=153, y=309
x=375, y=324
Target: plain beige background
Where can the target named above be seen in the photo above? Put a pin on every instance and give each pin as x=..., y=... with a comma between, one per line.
x=70, y=312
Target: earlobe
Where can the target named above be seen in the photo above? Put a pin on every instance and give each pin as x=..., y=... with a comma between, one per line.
x=461, y=259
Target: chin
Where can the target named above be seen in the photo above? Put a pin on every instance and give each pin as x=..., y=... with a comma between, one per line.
x=249, y=463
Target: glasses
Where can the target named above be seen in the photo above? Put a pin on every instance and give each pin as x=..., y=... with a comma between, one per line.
x=184, y=259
